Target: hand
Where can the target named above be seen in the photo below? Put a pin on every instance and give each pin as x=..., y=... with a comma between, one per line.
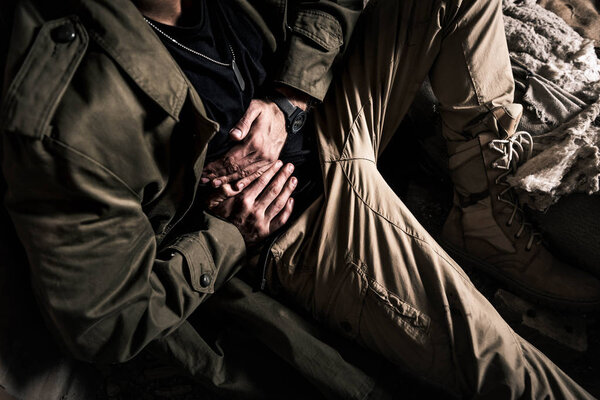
x=263, y=207
x=262, y=134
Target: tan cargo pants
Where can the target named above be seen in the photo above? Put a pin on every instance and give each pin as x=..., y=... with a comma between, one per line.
x=357, y=259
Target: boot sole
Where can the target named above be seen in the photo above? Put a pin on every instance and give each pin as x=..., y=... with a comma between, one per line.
x=466, y=260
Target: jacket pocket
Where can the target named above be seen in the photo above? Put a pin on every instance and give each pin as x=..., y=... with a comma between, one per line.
x=319, y=27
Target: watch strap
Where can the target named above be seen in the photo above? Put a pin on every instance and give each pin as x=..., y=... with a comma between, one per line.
x=283, y=103
x=295, y=116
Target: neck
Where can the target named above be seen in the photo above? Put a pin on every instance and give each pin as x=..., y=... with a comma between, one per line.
x=166, y=12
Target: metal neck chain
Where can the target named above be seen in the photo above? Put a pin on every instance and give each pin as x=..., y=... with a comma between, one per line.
x=157, y=29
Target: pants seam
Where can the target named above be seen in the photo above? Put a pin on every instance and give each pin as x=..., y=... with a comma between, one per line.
x=420, y=240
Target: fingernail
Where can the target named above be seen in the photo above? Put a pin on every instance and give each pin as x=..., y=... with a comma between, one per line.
x=291, y=201
x=217, y=182
x=237, y=133
x=290, y=167
x=294, y=181
x=240, y=185
x=204, y=180
x=278, y=164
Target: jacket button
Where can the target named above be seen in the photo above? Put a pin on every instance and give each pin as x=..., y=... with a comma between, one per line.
x=205, y=280
x=64, y=33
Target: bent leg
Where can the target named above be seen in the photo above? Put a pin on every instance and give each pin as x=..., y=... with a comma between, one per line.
x=360, y=262
x=365, y=267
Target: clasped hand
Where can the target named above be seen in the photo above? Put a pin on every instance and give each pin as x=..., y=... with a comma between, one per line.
x=252, y=190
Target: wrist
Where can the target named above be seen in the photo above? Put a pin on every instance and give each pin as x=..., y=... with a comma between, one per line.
x=295, y=116
x=295, y=96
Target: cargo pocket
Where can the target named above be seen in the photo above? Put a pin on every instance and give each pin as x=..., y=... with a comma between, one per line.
x=401, y=315
x=315, y=41
x=356, y=293
x=319, y=28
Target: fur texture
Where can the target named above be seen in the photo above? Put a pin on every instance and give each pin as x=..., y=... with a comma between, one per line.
x=567, y=159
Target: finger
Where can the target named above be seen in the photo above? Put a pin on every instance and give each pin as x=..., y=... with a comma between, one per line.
x=245, y=182
x=275, y=186
x=256, y=187
x=224, y=208
x=241, y=129
x=245, y=175
x=281, y=200
x=230, y=163
x=233, y=167
x=283, y=216
x=221, y=194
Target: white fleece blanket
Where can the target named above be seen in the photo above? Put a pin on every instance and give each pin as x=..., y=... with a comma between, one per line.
x=567, y=147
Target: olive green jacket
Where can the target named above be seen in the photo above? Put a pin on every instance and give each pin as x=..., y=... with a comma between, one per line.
x=101, y=185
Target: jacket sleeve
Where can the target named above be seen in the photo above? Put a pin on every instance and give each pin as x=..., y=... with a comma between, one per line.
x=101, y=282
x=317, y=35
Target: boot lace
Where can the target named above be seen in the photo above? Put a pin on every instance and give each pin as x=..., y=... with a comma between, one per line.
x=514, y=151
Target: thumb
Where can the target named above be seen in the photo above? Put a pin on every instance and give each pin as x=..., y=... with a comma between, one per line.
x=241, y=129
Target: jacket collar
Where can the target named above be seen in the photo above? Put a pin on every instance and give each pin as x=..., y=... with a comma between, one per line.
x=119, y=28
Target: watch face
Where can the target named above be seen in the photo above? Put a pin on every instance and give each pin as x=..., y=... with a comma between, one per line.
x=298, y=122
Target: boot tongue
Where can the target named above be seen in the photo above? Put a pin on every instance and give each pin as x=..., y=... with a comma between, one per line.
x=500, y=122
x=508, y=118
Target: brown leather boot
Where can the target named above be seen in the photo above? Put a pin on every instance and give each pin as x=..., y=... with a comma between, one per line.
x=486, y=228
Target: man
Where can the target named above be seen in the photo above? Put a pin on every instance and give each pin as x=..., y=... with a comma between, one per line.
x=106, y=183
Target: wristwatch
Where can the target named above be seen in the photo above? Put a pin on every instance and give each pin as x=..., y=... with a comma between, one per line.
x=295, y=116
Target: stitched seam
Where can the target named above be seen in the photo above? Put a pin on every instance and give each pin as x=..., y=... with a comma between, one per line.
x=318, y=13
x=357, y=116
x=475, y=88
x=372, y=283
x=315, y=38
x=348, y=159
x=417, y=238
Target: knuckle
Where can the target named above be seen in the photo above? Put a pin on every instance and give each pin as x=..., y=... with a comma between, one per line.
x=228, y=191
x=245, y=122
x=274, y=191
x=280, y=204
x=263, y=180
x=247, y=203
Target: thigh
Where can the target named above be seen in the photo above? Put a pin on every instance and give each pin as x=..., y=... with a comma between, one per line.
x=389, y=56
x=366, y=268
x=361, y=264
x=460, y=45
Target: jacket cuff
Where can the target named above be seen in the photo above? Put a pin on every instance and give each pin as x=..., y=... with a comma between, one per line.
x=213, y=256
x=311, y=53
